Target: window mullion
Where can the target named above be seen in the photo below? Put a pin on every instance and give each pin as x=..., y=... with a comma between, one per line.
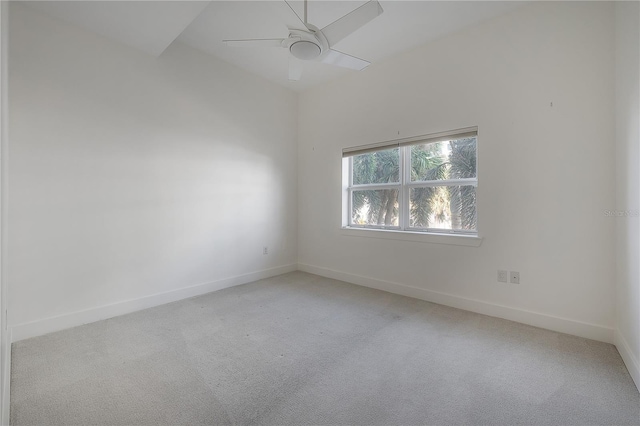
x=444, y=182
x=406, y=178
x=375, y=186
x=401, y=189
x=350, y=191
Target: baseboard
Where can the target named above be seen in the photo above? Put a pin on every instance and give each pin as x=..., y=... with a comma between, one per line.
x=6, y=386
x=536, y=319
x=61, y=322
x=630, y=360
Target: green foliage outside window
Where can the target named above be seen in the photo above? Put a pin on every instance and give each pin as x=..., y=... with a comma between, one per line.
x=432, y=206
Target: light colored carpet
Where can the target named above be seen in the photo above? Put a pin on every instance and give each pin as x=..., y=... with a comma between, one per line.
x=302, y=349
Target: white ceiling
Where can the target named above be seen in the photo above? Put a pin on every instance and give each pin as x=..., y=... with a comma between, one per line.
x=153, y=25
x=150, y=26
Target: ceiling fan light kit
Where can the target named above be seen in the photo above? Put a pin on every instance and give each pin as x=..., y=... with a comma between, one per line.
x=305, y=50
x=312, y=44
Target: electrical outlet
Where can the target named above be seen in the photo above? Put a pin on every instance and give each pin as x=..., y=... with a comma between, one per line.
x=514, y=277
x=502, y=276
x=265, y=250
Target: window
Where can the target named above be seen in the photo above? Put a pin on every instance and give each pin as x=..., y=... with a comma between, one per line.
x=424, y=184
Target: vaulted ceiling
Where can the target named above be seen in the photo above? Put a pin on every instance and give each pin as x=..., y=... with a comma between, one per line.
x=152, y=26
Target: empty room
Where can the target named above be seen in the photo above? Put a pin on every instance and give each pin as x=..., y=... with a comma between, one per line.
x=319, y=212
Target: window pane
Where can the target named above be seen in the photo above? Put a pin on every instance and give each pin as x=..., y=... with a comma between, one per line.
x=455, y=159
x=377, y=208
x=443, y=207
x=377, y=167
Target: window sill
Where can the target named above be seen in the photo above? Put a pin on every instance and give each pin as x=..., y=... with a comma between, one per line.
x=418, y=237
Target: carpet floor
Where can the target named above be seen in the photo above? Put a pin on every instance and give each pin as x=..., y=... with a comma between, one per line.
x=300, y=349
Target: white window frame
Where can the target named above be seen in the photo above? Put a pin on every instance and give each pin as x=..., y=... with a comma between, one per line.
x=404, y=186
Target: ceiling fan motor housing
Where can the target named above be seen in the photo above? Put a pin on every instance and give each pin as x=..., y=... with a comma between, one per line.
x=307, y=45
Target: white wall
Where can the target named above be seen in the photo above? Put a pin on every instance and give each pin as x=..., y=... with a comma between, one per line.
x=546, y=173
x=628, y=184
x=5, y=338
x=131, y=176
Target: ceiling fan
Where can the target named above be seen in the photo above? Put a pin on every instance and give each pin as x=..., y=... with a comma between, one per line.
x=313, y=44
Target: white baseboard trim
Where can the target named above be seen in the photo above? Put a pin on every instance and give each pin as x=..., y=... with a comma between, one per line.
x=61, y=322
x=536, y=319
x=6, y=386
x=630, y=360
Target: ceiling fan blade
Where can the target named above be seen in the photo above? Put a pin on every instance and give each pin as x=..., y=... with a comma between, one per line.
x=337, y=30
x=340, y=59
x=295, y=69
x=255, y=42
